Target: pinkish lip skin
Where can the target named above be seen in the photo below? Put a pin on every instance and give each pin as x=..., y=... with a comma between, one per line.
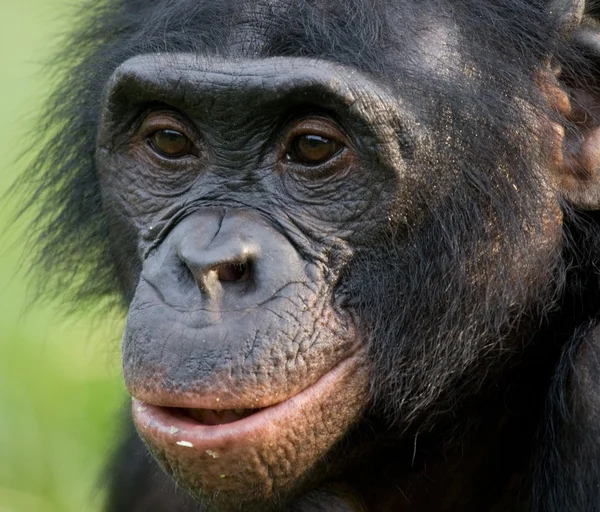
x=255, y=456
x=168, y=426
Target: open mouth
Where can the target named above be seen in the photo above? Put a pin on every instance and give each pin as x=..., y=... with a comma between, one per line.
x=217, y=417
x=237, y=453
x=205, y=428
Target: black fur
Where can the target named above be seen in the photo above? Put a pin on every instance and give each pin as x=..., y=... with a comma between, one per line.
x=547, y=389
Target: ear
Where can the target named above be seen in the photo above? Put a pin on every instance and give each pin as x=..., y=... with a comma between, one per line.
x=572, y=86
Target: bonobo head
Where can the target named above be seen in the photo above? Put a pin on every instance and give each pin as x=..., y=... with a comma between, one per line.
x=324, y=229
x=245, y=187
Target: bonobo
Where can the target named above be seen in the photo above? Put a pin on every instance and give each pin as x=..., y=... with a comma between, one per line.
x=358, y=242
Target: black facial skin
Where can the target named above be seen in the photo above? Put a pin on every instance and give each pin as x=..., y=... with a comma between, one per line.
x=246, y=280
x=357, y=243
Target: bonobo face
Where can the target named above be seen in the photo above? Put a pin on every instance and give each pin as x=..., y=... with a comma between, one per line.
x=245, y=188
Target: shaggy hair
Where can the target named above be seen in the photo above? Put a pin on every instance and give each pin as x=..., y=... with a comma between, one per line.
x=439, y=304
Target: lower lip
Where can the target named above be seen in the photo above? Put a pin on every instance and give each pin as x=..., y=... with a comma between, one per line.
x=167, y=426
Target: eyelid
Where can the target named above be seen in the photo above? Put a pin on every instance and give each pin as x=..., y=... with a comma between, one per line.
x=152, y=124
x=156, y=119
x=316, y=125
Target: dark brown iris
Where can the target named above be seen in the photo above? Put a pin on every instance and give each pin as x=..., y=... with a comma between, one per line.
x=314, y=149
x=171, y=143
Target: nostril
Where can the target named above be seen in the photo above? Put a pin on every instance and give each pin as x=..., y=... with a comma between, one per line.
x=233, y=272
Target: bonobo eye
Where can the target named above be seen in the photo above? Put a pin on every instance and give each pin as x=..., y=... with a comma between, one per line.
x=171, y=143
x=166, y=137
x=312, y=149
x=314, y=142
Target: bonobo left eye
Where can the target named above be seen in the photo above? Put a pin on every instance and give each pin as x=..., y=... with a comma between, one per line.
x=312, y=149
x=171, y=143
x=314, y=142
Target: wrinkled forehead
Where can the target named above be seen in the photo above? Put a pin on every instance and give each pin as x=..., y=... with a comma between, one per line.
x=236, y=91
x=191, y=80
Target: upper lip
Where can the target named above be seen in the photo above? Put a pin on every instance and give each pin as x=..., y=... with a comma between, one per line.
x=224, y=398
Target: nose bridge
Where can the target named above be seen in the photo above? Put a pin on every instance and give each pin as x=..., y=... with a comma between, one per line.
x=229, y=244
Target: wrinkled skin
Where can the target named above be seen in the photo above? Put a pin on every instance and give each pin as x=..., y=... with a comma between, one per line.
x=358, y=244
x=239, y=306
x=198, y=336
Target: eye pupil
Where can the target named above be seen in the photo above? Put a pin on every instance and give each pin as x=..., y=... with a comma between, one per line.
x=171, y=143
x=314, y=149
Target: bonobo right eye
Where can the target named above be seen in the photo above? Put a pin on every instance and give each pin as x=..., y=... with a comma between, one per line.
x=170, y=143
x=167, y=136
x=312, y=149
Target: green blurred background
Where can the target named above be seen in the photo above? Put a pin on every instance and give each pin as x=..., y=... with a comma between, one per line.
x=60, y=386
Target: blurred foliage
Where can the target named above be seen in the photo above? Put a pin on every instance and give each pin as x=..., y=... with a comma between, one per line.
x=60, y=388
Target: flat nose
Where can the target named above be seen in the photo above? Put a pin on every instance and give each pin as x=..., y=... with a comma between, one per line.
x=216, y=262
